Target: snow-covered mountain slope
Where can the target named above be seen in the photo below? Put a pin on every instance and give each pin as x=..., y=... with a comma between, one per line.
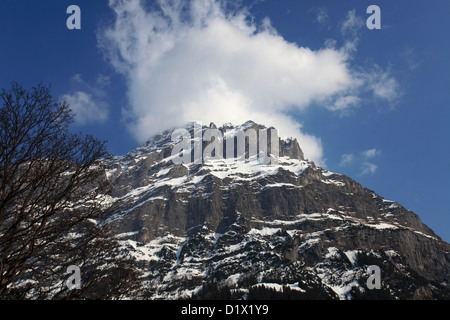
x=241, y=228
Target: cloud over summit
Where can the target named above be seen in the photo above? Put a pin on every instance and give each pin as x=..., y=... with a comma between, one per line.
x=199, y=60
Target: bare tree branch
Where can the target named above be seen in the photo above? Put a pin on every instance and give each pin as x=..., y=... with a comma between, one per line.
x=51, y=186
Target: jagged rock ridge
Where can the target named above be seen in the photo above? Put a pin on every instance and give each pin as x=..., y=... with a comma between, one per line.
x=236, y=228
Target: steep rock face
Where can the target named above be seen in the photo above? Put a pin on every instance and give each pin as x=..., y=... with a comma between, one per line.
x=242, y=225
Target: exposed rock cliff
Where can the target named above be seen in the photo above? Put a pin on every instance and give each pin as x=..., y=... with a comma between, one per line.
x=221, y=225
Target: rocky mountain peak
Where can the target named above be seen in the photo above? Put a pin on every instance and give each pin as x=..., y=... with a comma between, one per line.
x=240, y=223
x=288, y=147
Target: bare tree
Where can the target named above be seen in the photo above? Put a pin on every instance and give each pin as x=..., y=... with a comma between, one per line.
x=53, y=202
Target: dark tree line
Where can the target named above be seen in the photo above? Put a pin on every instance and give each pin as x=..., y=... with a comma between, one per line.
x=53, y=202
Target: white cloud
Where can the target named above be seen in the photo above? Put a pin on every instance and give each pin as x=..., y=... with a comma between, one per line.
x=322, y=17
x=385, y=88
x=77, y=79
x=350, y=29
x=383, y=85
x=86, y=108
x=369, y=168
x=373, y=78
x=361, y=161
x=346, y=160
x=87, y=103
x=370, y=153
x=195, y=60
x=352, y=24
x=103, y=81
x=344, y=103
x=409, y=55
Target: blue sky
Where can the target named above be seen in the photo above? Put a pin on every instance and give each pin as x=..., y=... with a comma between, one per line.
x=381, y=116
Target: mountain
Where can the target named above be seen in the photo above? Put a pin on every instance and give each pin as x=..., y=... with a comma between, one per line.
x=247, y=228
